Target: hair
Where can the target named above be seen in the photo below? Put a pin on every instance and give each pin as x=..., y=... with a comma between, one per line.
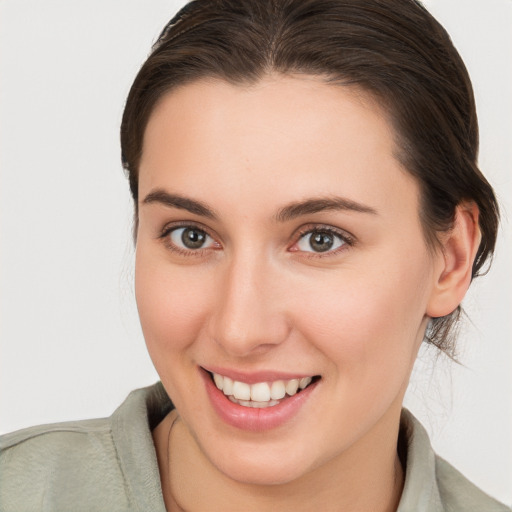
x=392, y=49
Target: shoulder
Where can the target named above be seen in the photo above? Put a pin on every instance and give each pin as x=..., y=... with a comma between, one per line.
x=101, y=464
x=458, y=493
x=431, y=483
x=55, y=432
x=55, y=443
x=55, y=464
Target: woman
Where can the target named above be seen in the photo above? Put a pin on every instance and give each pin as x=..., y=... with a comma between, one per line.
x=308, y=210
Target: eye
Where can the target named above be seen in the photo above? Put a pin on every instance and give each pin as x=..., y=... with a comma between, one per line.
x=321, y=240
x=189, y=238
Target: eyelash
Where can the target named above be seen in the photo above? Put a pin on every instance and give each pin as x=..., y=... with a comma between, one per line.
x=347, y=239
x=167, y=230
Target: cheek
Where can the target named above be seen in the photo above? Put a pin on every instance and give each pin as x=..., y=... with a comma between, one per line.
x=172, y=303
x=367, y=323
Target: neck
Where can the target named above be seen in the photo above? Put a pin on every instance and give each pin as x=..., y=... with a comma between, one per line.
x=368, y=476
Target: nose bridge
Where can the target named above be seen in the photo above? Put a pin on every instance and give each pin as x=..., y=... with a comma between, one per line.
x=248, y=314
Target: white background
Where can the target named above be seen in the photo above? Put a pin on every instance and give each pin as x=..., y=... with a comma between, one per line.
x=70, y=343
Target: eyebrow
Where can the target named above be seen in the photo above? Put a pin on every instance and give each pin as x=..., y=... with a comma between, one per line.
x=287, y=213
x=176, y=201
x=321, y=204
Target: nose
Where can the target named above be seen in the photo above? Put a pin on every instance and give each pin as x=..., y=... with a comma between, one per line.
x=249, y=316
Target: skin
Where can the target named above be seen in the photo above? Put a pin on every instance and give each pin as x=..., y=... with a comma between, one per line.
x=258, y=297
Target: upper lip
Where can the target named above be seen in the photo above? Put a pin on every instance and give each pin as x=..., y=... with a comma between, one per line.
x=256, y=376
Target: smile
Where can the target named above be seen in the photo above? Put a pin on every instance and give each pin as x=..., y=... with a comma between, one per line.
x=258, y=401
x=260, y=394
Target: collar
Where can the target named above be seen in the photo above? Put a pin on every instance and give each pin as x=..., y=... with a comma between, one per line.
x=144, y=408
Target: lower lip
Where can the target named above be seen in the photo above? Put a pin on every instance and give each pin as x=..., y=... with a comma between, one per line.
x=251, y=419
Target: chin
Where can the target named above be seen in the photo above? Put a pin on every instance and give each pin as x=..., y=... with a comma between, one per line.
x=265, y=464
x=262, y=474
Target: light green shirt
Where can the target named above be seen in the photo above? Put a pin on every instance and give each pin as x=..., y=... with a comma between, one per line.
x=110, y=465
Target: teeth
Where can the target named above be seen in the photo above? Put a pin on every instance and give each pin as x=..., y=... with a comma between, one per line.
x=227, y=387
x=278, y=390
x=261, y=394
x=254, y=404
x=219, y=380
x=262, y=405
x=241, y=390
x=305, y=381
x=291, y=387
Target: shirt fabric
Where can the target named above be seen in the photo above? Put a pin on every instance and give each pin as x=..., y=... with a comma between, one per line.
x=110, y=465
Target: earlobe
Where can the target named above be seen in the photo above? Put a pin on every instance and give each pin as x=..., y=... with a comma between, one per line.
x=454, y=273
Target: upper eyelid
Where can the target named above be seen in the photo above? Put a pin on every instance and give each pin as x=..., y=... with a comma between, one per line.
x=165, y=239
x=163, y=235
x=349, y=241
x=301, y=231
x=167, y=228
x=342, y=233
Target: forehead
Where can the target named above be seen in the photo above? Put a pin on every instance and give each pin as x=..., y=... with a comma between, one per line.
x=297, y=134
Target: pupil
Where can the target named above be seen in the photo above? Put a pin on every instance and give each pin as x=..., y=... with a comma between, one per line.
x=193, y=238
x=321, y=242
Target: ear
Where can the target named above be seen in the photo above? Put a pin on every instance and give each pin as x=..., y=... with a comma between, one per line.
x=454, y=271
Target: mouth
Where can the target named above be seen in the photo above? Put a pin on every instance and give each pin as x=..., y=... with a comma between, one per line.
x=260, y=401
x=261, y=395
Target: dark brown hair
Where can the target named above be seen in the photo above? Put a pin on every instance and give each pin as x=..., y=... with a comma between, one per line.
x=393, y=49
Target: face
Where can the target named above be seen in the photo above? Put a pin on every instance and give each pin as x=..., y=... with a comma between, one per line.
x=279, y=245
